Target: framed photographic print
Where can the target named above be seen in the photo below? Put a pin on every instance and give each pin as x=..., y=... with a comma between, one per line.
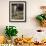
x=17, y=11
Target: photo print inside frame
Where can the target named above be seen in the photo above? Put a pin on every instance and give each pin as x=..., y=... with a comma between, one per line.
x=17, y=11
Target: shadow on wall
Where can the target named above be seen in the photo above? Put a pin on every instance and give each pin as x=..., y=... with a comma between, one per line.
x=34, y=22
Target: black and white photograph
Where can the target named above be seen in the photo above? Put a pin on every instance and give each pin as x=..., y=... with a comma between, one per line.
x=17, y=11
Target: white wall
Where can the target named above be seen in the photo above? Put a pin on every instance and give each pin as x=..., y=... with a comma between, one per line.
x=25, y=28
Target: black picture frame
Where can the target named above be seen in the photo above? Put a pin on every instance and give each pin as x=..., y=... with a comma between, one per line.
x=17, y=11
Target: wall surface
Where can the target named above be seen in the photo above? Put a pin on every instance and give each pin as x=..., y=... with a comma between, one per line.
x=27, y=28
